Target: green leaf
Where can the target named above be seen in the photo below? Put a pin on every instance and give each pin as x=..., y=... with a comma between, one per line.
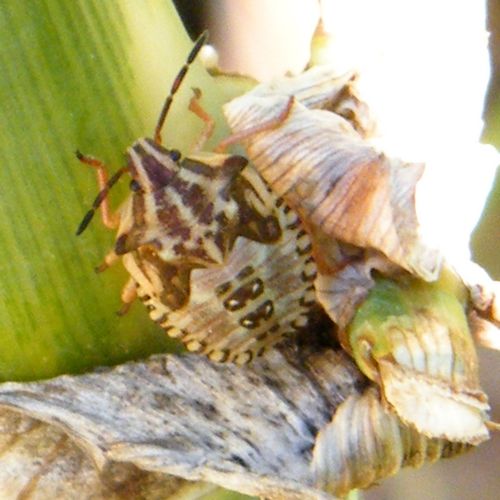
x=87, y=75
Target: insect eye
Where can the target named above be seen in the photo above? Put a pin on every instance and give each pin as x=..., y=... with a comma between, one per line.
x=175, y=154
x=134, y=185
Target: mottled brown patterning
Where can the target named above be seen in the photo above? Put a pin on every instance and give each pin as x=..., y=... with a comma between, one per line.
x=219, y=261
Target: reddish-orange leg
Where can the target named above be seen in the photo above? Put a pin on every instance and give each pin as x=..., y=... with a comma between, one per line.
x=128, y=296
x=111, y=221
x=493, y=426
x=197, y=109
x=273, y=122
x=108, y=219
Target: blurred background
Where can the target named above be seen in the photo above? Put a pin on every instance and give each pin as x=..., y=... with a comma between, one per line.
x=431, y=75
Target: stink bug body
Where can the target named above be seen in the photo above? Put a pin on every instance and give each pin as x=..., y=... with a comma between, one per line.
x=219, y=261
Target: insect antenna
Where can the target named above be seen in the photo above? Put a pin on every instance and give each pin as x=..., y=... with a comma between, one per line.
x=99, y=199
x=177, y=82
x=157, y=137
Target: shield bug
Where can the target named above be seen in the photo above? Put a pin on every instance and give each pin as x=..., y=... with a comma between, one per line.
x=219, y=261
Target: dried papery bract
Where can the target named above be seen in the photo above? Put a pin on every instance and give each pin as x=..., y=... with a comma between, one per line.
x=217, y=258
x=322, y=88
x=365, y=442
x=341, y=293
x=413, y=339
x=336, y=181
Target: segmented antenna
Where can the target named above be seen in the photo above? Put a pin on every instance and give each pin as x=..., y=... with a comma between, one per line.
x=177, y=82
x=161, y=120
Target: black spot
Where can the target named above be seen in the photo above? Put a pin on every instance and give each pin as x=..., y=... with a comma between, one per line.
x=233, y=304
x=256, y=287
x=263, y=312
x=267, y=309
x=134, y=185
x=247, y=322
x=244, y=294
x=175, y=154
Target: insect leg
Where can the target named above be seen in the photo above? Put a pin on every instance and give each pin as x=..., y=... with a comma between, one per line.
x=273, y=122
x=109, y=260
x=197, y=109
x=493, y=426
x=129, y=294
x=110, y=220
